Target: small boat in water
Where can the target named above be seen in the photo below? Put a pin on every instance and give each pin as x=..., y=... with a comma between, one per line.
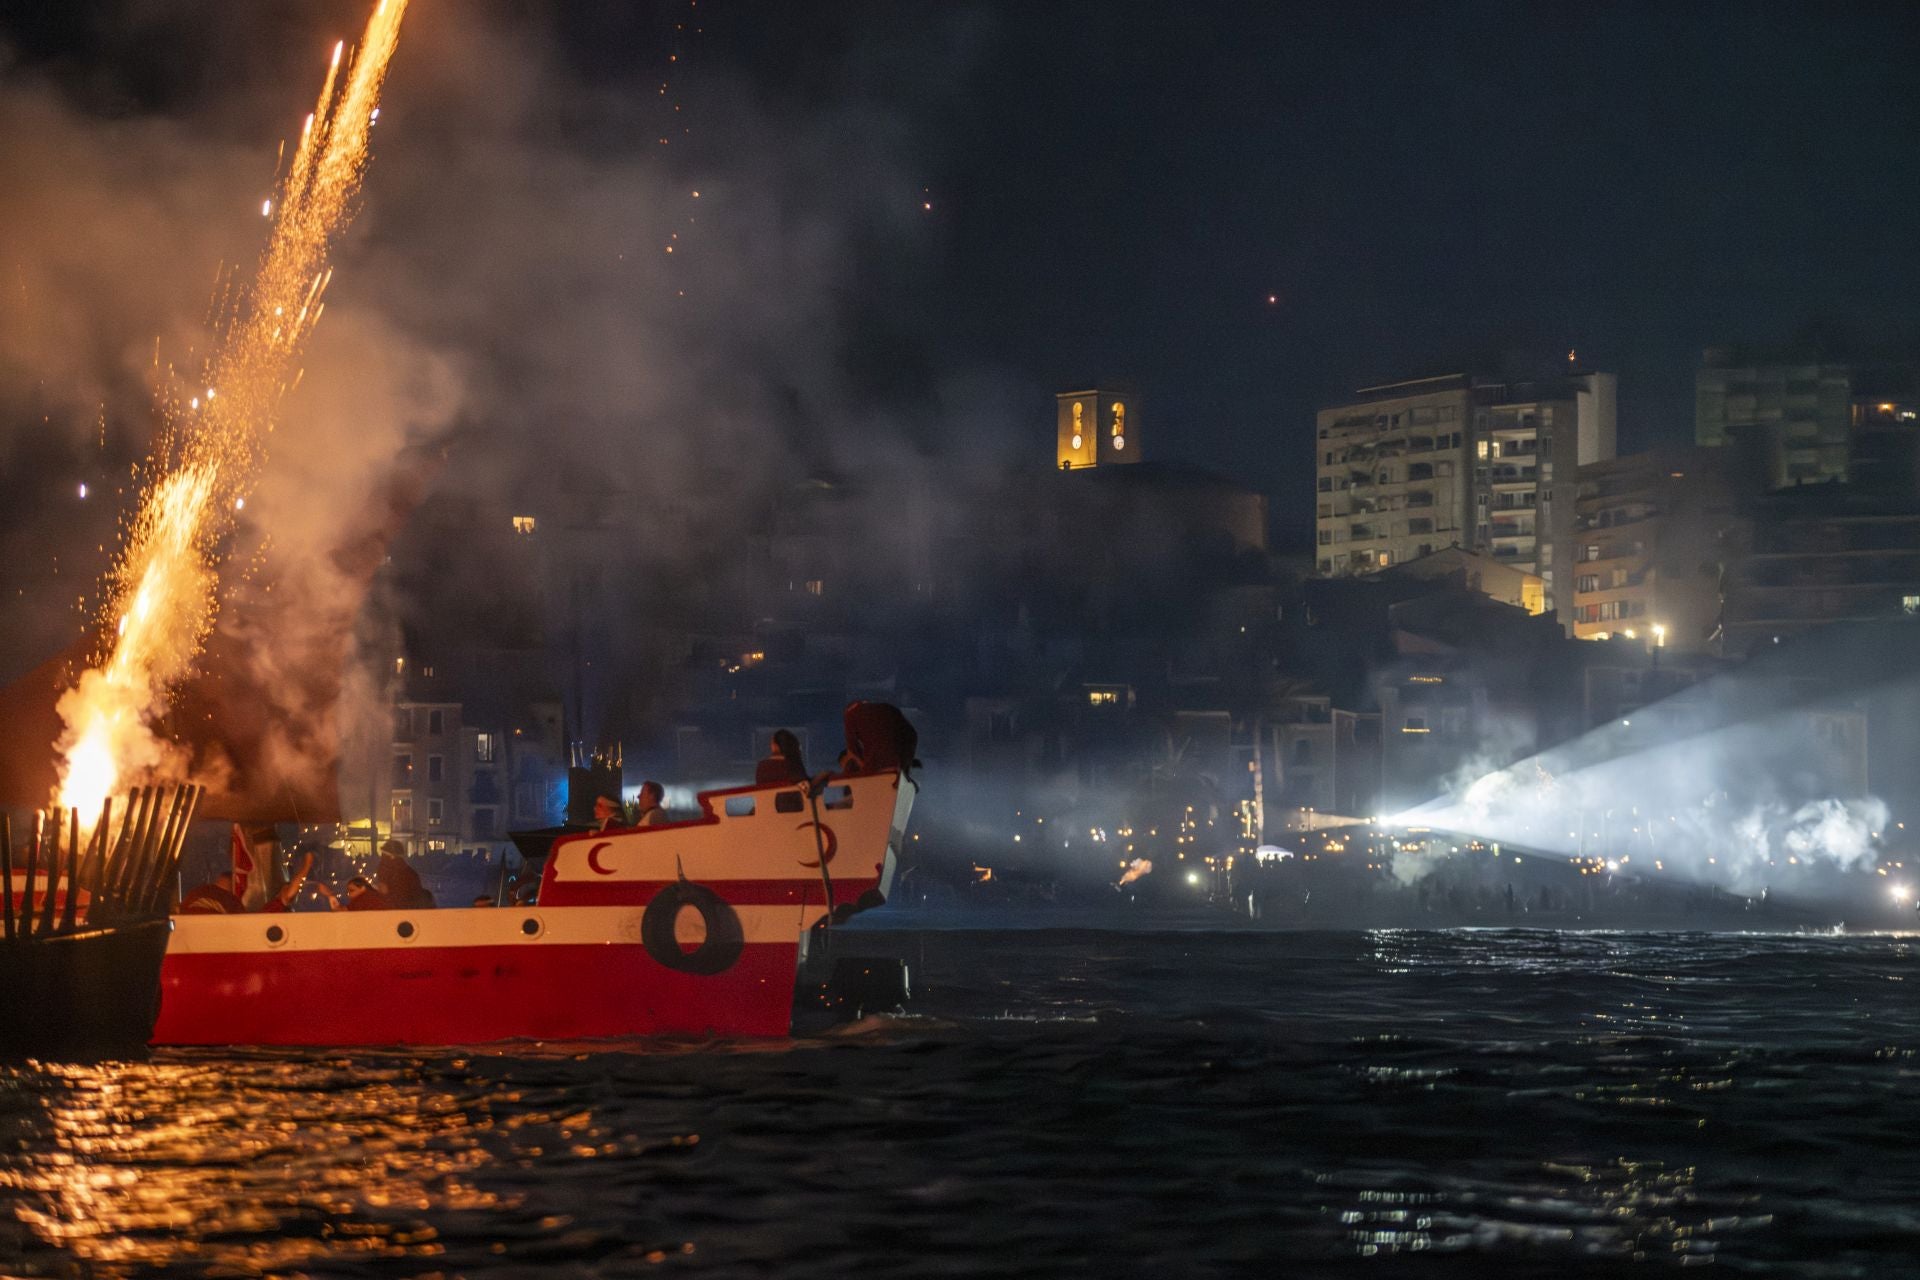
x=688, y=928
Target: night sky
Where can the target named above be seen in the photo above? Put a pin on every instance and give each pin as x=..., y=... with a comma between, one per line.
x=1117, y=189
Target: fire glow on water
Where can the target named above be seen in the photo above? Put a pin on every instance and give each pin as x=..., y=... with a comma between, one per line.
x=162, y=595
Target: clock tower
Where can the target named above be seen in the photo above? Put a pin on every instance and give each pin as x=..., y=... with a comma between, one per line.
x=1095, y=428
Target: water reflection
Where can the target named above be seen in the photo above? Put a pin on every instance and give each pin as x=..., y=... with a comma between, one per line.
x=272, y=1164
x=1056, y=1105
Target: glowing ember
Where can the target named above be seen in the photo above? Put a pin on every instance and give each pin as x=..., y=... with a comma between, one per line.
x=163, y=594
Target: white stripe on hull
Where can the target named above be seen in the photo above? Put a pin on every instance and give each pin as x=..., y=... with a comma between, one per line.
x=454, y=927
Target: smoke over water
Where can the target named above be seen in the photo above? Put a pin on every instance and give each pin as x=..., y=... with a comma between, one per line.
x=537, y=281
x=1739, y=806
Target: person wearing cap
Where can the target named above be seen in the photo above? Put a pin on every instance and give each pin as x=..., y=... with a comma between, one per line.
x=399, y=883
x=651, y=805
x=607, y=813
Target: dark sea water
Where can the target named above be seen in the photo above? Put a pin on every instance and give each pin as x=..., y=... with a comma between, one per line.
x=1059, y=1103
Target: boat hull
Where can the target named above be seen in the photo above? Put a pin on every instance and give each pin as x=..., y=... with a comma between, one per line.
x=468, y=995
x=690, y=929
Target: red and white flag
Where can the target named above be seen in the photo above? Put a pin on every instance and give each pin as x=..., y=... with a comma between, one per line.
x=249, y=887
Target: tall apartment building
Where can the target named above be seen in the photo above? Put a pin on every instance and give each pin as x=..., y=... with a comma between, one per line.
x=1816, y=556
x=1649, y=531
x=1809, y=420
x=1408, y=468
x=1395, y=474
x=458, y=778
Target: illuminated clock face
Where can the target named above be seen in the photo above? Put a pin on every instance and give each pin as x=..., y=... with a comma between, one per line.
x=1079, y=433
x=1118, y=429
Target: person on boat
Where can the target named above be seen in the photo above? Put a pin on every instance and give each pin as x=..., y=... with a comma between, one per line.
x=608, y=814
x=216, y=897
x=399, y=883
x=283, y=900
x=360, y=896
x=878, y=738
x=651, y=805
x=783, y=764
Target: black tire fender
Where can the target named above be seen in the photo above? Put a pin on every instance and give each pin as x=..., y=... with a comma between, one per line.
x=725, y=938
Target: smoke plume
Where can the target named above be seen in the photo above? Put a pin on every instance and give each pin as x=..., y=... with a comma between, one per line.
x=561, y=277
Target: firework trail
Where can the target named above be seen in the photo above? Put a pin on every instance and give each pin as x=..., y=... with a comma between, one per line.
x=162, y=595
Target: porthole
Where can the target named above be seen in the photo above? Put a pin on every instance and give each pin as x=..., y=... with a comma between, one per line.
x=530, y=926
x=275, y=935
x=405, y=929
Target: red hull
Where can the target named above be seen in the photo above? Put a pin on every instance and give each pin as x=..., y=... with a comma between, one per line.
x=468, y=995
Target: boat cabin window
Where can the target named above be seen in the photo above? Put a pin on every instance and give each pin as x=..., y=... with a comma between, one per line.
x=739, y=806
x=788, y=802
x=838, y=798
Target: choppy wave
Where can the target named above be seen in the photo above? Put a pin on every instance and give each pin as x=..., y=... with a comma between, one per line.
x=1485, y=1102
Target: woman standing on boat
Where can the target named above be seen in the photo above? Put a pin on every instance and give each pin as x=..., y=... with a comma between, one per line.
x=784, y=764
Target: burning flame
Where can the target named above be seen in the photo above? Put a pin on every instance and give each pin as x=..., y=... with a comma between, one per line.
x=162, y=595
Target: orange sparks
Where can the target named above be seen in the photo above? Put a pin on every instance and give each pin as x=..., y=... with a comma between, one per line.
x=163, y=592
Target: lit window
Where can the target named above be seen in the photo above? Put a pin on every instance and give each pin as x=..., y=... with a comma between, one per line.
x=1910, y=604
x=484, y=745
x=1103, y=697
x=402, y=813
x=523, y=524
x=816, y=586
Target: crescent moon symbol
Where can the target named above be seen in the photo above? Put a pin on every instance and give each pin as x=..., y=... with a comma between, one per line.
x=593, y=859
x=830, y=841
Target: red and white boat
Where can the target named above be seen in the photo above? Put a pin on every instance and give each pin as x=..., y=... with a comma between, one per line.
x=690, y=928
